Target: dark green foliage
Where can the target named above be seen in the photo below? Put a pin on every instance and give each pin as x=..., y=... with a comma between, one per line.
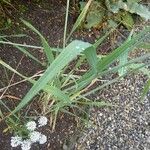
x=119, y=11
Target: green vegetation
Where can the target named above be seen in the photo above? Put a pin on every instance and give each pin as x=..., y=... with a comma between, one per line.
x=63, y=89
x=114, y=12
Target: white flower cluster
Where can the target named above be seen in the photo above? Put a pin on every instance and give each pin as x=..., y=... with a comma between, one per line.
x=42, y=121
x=34, y=136
x=31, y=125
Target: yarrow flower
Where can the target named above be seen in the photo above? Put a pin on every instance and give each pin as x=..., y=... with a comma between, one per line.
x=42, y=121
x=35, y=136
x=26, y=145
x=16, y=141
x=31, y=125
x=43, y=139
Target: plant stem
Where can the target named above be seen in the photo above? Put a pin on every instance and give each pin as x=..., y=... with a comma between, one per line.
x=66, y=22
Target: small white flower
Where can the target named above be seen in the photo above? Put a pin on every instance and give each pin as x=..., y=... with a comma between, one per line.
x=35, y=136
x=16, y=141
x=43, y=139
x=42, y=121
x=31, y=125
x=26, y=145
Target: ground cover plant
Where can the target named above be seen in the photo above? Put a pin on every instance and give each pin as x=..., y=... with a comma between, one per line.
x=63, y=89
x=109, y=12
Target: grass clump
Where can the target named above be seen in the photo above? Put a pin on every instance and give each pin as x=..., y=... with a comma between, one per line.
x=62, y=89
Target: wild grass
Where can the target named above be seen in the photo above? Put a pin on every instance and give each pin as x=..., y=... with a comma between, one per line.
x=68, y=90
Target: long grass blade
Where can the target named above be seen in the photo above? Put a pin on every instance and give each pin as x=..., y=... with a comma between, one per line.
x=58, y=94
x=29, y=46
x=81, y=18
x=29, y=55
x=123, y=59
x=13, y=35
x=91, y=56
x=145, y=45
x=144, y=70
x=101, y=39
x=45, y=44
x=66, y=22
x=67, y=55
x=98, y=103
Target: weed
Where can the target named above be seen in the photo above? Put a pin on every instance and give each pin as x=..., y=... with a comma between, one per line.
x=63, y=89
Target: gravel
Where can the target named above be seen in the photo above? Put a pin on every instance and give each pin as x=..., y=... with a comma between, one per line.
x=126, y=127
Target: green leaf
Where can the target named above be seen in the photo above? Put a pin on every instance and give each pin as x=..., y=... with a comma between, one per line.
x=98, y=104
x=125, y=47
x=13, y=35
x=101, y=39
x=29, y=46
x=67, y=55
x=125, y=18
x=58, y=94
x=134, y=1
x=66, y=22
x=145, y=45
x=113, y=6
x=45, y=44
x=82, y=5
x=95, y=15
x=138, y=9
x=144, y=70
x=10, y=68
x=131, y=6
x=123, y=59
x=81, y=18
x=29, y=54
x=91, y=57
